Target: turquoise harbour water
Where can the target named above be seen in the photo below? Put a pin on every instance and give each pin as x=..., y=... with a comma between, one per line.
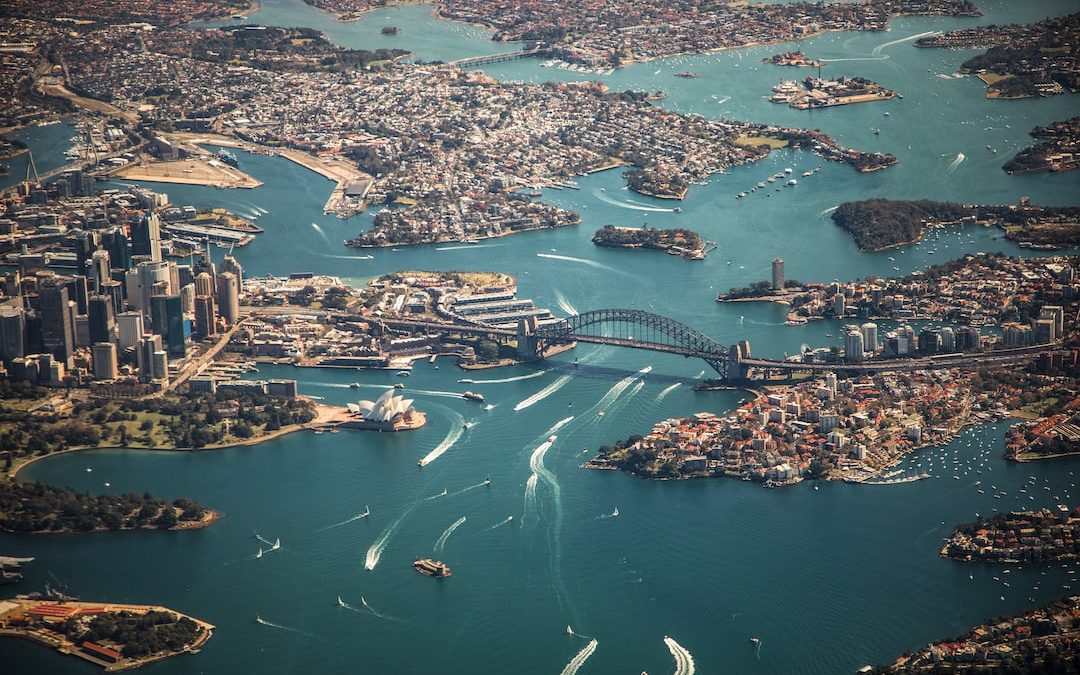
x=829, y=578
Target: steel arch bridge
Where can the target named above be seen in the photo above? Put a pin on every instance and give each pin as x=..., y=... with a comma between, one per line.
x=638, y=330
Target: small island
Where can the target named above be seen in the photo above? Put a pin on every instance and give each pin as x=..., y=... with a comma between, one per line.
x=880, y=224
x=1058, y=149
x=815, y=92
x=113, y=636
x=683, y=243
x=32, y=508
x=1021, y=536
x=795, y=59
x=390, y=30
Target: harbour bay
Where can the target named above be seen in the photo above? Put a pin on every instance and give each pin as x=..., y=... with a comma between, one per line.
x=828, y=578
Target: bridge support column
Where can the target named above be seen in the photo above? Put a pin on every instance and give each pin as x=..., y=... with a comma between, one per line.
x=528, y=344
x=736, y=370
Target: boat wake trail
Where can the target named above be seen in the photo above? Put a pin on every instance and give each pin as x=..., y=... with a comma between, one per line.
x=582, y=656
x=264, y=622
x=629, y=205
x=444, y=493
x=555, y=386
x=583, y=261
x=366, y=609
x=666, y=391
x=500, y=523
x=530, y=497
x=321, y=232
x=960, y=157
x=619, y=387
x=441, y=542
x=504, y=380
x=457, y=428
x=684, y=662
x=429, y=392
x=375, y=613
x=262, y=538
x=358, y=516
x=613, y=514
x=880, y=48
x=377, y=548
x=565, y=305
x=558, y=425
x=471, y=487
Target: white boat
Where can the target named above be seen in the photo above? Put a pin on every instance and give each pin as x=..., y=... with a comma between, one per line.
x=403, y=373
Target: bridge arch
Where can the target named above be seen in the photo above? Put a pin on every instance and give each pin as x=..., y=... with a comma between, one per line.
x=638, y=329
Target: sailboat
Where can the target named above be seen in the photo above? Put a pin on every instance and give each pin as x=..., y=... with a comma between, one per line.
x=277, y=544
x=259, y=554
x=569, y=630
x=615, y=512
x=487, y=480
x=340, y=601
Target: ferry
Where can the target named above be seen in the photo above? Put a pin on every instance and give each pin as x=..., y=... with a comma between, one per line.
x=228, y=158
x=399, y=385
x=689, y=74
x=431, y=568
x=473, y=396
x=354, y=385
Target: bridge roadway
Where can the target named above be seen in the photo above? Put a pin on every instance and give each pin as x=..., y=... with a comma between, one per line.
x=503, y=56
x=996, y=358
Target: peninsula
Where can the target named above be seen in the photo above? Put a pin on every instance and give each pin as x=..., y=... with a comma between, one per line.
x=1046, y=535
x=880, y=224
x=1058, y=149
x=32, y=508
x=113, y=636
x=1041, y=640
x=1037, y=59
x=840, y=429
x=680, y=242
x=455, y=154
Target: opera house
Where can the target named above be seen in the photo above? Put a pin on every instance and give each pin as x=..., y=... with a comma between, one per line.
x=386, y=413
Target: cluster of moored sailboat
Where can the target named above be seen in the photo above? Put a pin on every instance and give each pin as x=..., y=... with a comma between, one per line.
x=778, y=177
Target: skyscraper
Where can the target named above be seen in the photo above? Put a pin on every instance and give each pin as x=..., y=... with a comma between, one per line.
x=146, y=237
x=839, y=305
x=130, y=325
x=102, y=319
x=870, y=337
x=777, y=274
x=228, y=297
x=106, y=366
x=229, y=264
x=204, y=284
x=57, y=325
x=853, y=345
x=12, y=333
x=100, y=269
x=205, y=316
x=115, y=241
